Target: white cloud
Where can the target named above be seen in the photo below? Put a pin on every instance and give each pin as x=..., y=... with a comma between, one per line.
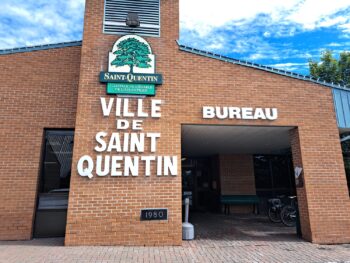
x=205, y=16
x=267, y=34
x=290, y=66
x=334, y=45
x=265, y=31
x=328, y=22
x=257, y=56
x=215, y=46
x=24, y=23
x=281, y=65
x=315, y=13
x=346, y=27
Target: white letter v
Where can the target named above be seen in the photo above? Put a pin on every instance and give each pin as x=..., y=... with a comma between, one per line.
x=106, y=109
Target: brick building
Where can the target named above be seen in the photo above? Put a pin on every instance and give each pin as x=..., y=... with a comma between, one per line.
x=197, y=123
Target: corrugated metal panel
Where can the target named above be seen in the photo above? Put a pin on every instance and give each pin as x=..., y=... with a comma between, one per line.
x=117, y=10
x=342, y=107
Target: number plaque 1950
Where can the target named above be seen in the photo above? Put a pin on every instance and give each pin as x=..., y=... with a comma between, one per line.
x=154, y=214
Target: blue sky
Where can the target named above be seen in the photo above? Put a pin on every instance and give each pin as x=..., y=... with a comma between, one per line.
x=280, y=33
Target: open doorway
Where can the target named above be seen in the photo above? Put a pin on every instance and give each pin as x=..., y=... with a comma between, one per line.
x=251, y=163
x=54, y=181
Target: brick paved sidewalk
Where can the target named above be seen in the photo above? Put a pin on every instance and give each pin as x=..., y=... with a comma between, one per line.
x=218, y=239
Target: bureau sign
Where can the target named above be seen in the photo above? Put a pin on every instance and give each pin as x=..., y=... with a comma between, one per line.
x=210, y=112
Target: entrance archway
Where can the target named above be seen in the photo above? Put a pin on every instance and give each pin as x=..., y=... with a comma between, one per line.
x=249, y=161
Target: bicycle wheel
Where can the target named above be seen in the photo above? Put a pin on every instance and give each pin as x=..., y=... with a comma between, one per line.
x=274, y=215
x=289, y=215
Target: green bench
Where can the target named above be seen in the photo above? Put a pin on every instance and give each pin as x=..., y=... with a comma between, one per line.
x=228, y=200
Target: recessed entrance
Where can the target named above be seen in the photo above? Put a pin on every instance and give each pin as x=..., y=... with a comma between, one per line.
x=247, y=163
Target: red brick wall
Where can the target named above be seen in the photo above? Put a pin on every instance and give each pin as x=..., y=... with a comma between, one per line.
x=237, y=175
x=301, y=104
x=38, y=90
x=237, y=178
x=105, y=211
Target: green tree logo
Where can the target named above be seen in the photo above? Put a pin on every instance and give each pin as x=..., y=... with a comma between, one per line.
x=133, y=53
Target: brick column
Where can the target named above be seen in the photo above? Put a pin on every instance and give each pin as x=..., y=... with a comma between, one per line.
x=301, y=193
x=324, y=202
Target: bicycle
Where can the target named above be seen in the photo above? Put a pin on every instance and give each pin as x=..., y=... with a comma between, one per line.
x=275, y=209
x=289, y=212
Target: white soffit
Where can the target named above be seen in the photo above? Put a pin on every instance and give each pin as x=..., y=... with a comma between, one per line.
x=205, y=140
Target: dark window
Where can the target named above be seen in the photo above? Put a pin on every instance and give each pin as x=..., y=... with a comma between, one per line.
x=273, y=175
x=262, y=171
x=57, y=160
x=281, y=172
x=346, y=156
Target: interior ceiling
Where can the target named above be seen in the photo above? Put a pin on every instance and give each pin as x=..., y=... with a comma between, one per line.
x=205, y=140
